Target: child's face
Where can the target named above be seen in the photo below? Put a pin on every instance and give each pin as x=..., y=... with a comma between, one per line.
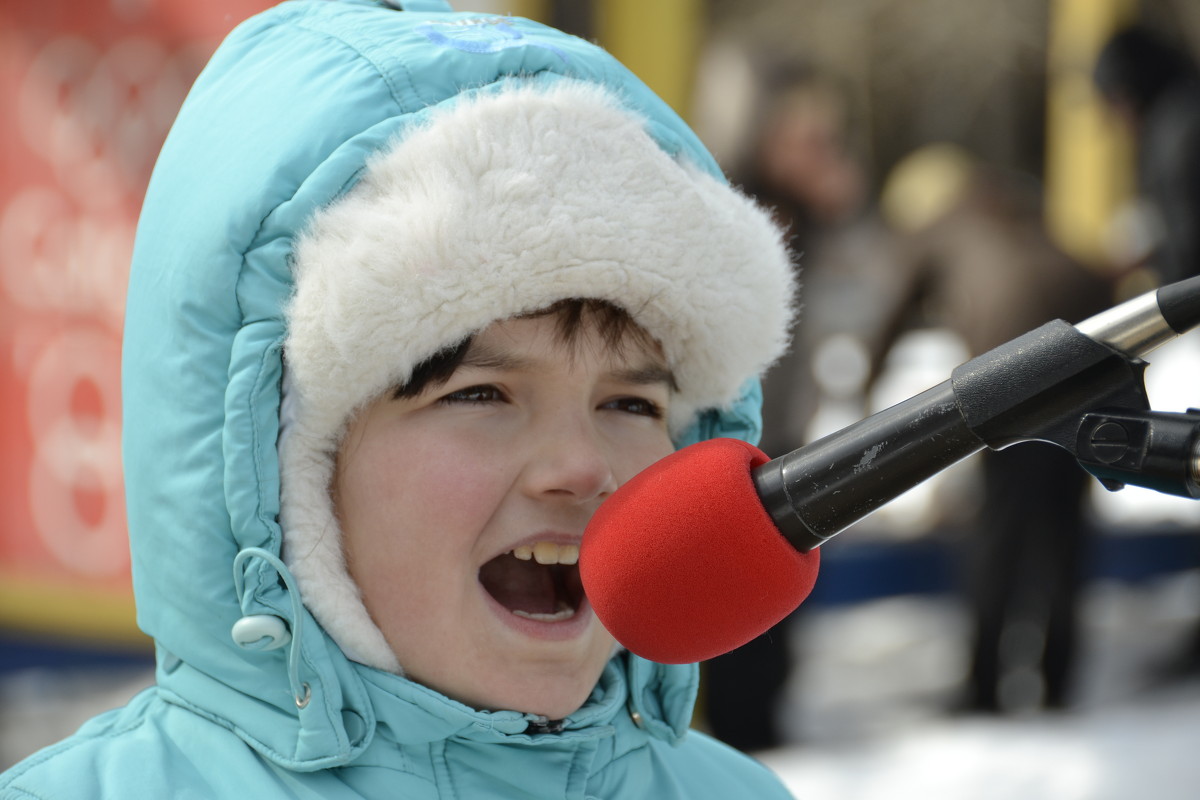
x=514, y=452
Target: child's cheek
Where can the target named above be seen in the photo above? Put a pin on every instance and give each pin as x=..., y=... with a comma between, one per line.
x=459, y=473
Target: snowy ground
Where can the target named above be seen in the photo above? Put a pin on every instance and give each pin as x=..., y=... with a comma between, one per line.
x=869, y=708
x=1137, y=749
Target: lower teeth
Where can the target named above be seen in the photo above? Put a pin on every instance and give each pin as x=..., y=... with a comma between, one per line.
x=564, y=612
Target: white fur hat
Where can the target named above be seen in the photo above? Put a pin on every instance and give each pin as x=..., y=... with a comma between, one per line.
x=502, y=204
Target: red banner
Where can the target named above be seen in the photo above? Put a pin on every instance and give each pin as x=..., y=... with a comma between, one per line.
x=89, y=92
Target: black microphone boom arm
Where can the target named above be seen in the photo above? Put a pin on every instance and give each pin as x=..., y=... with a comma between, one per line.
x=1079, y=387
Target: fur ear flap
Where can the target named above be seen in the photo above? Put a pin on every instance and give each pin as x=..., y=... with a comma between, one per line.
x=503, y=204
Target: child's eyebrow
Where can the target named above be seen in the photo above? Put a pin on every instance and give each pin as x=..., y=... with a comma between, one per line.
x=649, y=374
x=482, y=357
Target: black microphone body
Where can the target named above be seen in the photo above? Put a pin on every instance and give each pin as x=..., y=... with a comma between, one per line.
x=819, y=490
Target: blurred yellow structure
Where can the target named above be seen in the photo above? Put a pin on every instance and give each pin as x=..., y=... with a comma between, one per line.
x=80, y=613
x=658, y=41
x=1089, y=161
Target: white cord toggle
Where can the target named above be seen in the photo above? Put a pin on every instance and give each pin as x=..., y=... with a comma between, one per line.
x=260, y=632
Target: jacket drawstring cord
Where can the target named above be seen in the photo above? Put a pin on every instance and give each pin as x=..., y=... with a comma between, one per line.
x=268, y=632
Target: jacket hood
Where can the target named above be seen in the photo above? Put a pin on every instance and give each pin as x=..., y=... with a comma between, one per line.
x=282, y=125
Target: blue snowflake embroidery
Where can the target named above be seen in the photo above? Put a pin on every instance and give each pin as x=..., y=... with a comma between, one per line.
x=482, y=35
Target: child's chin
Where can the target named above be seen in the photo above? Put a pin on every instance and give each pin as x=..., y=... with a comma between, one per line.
x=557, y=704
x=554, y=698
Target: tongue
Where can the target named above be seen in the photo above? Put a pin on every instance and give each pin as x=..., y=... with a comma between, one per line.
x=521, y=585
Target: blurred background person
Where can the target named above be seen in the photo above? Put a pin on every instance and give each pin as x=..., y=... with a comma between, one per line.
x=1152, y=85
x=795, y=157
x=798, y=162
x=977, y=261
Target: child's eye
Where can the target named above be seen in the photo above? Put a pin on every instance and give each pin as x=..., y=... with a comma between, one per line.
x=636, y=405
x=475, y=394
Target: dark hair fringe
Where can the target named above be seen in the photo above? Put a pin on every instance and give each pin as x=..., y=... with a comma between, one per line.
x=614, y=324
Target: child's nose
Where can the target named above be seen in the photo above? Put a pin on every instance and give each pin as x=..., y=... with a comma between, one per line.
x=570, y=461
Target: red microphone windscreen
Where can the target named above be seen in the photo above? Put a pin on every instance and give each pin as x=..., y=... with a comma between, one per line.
x=683, y=563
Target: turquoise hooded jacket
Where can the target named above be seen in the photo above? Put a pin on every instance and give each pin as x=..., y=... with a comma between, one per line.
x=277, y=126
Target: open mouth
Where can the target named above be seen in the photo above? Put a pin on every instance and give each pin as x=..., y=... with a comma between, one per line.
x=539, y=582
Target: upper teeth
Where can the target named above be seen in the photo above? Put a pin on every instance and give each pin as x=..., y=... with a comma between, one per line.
x=548, y=553
x=564, y=612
